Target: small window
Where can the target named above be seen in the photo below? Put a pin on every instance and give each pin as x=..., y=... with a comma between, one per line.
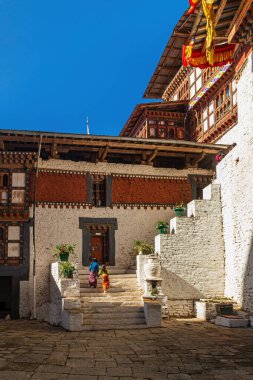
x=171, y=134
x=1, y=234
x=198, y=84
x=151, y=122
x=235, y=98
x=233, y=85
x=18, y=179
x=5, y=180
x=192, y=78
x=227, y=92
x=152, y=132
x=13, y=249
x=98, y=191
x=211, y=120
x=10, y=245
x=18, y=196
x=161, y=132
x=3, y=196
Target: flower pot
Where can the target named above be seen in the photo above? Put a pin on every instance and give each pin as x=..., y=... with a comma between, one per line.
x=179, y=211
x=152, y=267
x=64, y=256
x=162, y=230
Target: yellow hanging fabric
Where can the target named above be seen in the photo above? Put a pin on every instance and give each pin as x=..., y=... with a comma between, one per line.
x=210, y=29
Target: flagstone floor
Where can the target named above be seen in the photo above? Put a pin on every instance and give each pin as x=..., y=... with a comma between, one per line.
x=180, y=350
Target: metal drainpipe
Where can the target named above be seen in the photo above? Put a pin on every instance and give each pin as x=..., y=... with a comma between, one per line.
x=34, y=240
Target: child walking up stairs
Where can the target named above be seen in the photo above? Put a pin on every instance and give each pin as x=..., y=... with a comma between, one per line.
x=119, y=308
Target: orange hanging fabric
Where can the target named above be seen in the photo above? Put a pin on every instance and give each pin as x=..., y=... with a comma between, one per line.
x=193, y=5
x=221, y=56
x=210, y=29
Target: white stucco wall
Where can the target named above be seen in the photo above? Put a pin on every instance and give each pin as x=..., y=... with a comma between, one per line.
x=235, y=174
x=193, y=257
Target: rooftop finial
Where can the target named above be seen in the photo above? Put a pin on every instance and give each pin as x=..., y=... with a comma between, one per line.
x=87, y=126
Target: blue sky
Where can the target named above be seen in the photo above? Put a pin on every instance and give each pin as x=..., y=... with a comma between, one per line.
x=62, y=60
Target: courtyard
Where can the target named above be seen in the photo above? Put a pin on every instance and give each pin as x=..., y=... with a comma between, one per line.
x=180, y=350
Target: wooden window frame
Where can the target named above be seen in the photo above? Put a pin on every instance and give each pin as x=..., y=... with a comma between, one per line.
x=99, y=190
x=194, y=83
x=8, y=189
x=6, y=260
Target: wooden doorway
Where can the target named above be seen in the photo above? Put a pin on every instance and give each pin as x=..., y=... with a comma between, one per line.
x=98, y=247
x=5, y=296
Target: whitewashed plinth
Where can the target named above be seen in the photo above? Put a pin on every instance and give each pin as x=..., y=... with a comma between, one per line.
x=231, y=322
x=153, y=313
x=140, y=262
x=65, y=304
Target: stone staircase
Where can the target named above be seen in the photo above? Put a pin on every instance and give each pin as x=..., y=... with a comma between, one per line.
x=120, y=308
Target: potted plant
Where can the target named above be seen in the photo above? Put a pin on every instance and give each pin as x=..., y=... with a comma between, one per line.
x=62, y=251
x=179, y=209
x=143, y=247
x=162, y=227
x=66, y=269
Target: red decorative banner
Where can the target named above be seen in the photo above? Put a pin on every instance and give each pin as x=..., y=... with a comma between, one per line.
x=196, y=58
x=193, y=5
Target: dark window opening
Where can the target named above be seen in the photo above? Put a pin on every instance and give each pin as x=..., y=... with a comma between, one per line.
x=171, y=134
x=98, y=191
x=5, y=180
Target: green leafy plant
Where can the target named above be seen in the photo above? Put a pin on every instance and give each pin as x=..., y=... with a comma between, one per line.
x=161, y=224
x=180, y=205
x=154, y=292
x=64, y=249
x=143, y=246
x=66, y=269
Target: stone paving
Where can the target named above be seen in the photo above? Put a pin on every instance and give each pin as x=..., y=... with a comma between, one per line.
x=180, y=350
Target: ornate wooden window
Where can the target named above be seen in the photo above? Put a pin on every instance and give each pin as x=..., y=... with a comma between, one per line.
x=208, y=116
x=195, y=81
x=98, y=190
x=11, y=248
x=171, y=133
x=4, y=185
x=12, y=188
x=152, y=132
x=161, y=132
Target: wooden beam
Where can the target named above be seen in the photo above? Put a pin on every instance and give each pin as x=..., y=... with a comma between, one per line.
x=237, y=20
x=1, y=144
x=103, y=153
x=195, y=161
x=53, y=150
x=152, y=156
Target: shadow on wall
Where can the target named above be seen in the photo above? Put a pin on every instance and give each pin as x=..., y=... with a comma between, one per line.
x=247, y=301
x=176, y=287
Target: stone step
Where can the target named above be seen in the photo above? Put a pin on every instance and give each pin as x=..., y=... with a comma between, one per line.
x=106, y=303
x=100, y=290
x=104, y=309
x=111, y=270
x=113, y=327
x=114, y=322
x=112, y=315
x=84, y=275
x=113, y=282
x=103, y=298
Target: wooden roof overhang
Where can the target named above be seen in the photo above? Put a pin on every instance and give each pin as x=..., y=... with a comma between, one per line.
x=141, y=111
x=102, y=148
x=230, y=16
